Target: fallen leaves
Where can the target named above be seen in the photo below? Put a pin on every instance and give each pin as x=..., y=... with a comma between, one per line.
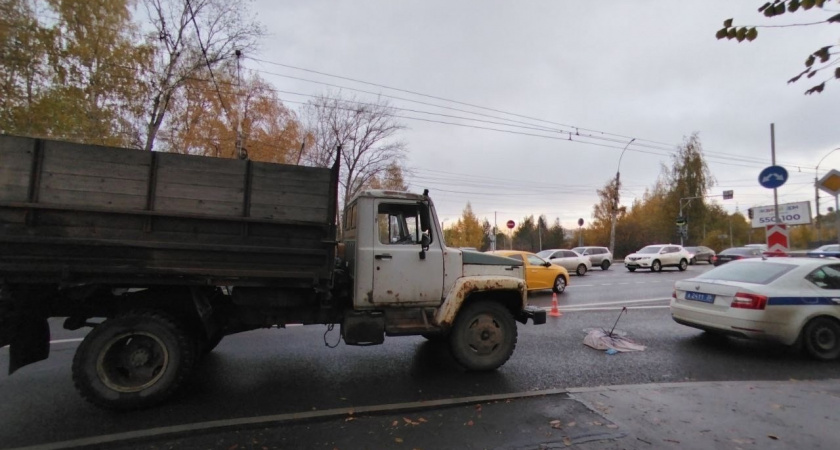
x=407, y=422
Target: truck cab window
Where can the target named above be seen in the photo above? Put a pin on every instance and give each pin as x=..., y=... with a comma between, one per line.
x=398, y=224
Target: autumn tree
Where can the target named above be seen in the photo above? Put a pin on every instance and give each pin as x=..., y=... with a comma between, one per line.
x=74, y=77
x=392, y=179
x=366, y=132
x=822, y=59
x=688, y=180
x=191, y=38
x=467, y=231
x=608, y=197
x=199, y=125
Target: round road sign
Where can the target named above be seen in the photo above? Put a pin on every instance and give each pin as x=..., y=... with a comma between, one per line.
x=772, y=177
x=511, y=224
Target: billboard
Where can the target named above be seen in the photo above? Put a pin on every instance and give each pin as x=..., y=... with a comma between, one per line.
x=798, y=213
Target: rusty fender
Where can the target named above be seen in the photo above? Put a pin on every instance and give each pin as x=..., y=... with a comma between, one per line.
x=468, y=285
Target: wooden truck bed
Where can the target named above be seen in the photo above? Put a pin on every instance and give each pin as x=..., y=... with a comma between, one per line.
x=73, y=213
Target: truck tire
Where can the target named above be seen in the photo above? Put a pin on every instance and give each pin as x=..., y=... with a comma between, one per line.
x=483, y=336
x=134, y=360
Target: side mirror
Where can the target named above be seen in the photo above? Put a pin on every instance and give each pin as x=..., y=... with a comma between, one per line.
x=425, y=241
x=547, y=264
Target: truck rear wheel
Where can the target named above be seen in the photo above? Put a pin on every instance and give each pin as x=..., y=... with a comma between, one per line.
x=134, y=360
x=483, y=336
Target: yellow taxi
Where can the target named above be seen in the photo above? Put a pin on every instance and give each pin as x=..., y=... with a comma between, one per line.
x=539, y=273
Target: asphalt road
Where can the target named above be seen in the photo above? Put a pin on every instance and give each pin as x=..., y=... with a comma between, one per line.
x=291, y=370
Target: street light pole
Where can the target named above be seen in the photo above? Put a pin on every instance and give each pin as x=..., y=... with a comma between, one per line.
x=615, y=198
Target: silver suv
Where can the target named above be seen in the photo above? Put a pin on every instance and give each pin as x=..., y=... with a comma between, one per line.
x=598, y=256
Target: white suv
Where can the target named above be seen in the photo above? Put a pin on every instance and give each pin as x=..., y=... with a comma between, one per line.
x=655, y=257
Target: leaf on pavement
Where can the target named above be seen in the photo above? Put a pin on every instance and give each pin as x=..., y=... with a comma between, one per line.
x=398, y=440
x=571, y=424
x=421, y=420
x=470, y=423
x=775, y=438
x=395, y=423
x=567, y=441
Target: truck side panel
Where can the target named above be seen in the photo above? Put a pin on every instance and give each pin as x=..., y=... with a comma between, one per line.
x=82, y=213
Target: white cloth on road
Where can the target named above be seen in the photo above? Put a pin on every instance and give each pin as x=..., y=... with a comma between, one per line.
x=599, y=339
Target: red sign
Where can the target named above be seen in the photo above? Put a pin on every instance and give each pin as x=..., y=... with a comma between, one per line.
x=511, y=224
x=777, y=238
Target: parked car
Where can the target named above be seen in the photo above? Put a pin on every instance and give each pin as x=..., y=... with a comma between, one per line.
x=571, y=260
x=731, y=254
x=598, y=256
x=655, y=257
x=825, y=250
x=777, y=299
x=762, y=247
x=700, y=253
x=539, y=273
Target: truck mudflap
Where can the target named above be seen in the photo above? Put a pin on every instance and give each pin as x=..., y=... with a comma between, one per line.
x=28, y=339
x=535, y=313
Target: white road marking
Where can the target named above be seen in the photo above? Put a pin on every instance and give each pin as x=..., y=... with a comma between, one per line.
x=620, y=302
x=612, y=308
x=62, y=341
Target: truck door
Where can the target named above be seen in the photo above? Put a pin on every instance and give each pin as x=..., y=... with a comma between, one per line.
x=403, y=272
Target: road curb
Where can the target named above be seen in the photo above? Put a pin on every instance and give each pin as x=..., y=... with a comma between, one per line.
x=218, y=425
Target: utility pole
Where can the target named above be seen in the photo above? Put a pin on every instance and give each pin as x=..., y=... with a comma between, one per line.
x=773, y=155
x=239, y=153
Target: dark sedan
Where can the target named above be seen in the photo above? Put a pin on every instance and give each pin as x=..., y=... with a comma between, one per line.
x=731, y=254
x=700, y=253
x=826, y=250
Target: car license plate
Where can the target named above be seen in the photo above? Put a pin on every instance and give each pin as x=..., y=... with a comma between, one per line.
x=700, y=297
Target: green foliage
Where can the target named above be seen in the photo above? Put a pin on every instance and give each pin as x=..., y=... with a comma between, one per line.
x=778, y=8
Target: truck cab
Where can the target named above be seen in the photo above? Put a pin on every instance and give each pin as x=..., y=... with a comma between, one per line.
x=405, y=280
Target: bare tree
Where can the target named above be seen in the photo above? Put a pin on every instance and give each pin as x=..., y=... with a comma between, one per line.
x=365, y=131
x=191, y=36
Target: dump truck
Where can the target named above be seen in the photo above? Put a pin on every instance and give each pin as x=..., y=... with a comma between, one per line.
x=162, y=255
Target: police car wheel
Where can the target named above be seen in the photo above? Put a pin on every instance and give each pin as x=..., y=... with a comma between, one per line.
x=822, y=338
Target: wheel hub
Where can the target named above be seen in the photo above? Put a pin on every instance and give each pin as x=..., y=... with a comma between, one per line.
x=139, y=357
x=484, y=335
x=825, y=339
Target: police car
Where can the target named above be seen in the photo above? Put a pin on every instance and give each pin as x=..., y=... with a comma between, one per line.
x=777, y=299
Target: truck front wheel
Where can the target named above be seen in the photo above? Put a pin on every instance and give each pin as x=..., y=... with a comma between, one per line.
x=132, y=361
x=483, y=336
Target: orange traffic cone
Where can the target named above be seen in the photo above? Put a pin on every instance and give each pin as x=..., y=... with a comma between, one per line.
x=554, y=311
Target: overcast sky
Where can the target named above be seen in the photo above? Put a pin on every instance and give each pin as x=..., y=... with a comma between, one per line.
x=649, y=70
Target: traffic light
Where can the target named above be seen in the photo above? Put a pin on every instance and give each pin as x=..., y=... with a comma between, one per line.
x=750, y=213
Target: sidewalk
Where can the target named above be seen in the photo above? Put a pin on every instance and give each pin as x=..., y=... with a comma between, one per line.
x=720, y=415
x=706, y=415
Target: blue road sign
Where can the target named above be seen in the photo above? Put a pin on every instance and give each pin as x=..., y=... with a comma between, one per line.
x=772, y=177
